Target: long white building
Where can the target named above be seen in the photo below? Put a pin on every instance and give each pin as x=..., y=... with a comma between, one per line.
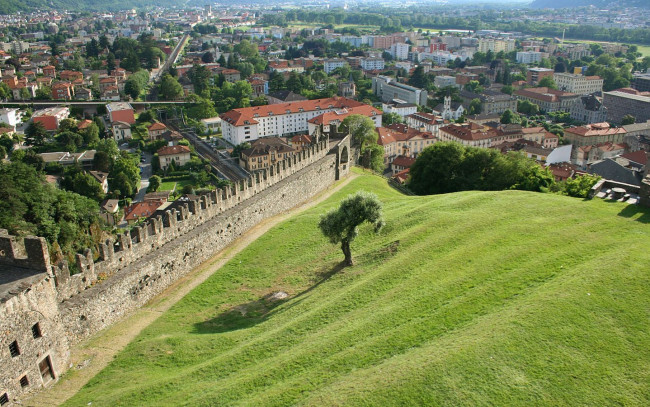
x=582, y=85
x=286, y=119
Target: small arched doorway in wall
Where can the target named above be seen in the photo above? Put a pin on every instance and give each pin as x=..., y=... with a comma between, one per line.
x=344, y=155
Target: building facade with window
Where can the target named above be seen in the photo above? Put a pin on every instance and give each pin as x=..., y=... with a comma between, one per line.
x=286, y=119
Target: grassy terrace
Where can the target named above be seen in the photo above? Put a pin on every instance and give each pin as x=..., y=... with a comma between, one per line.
x=473, y=298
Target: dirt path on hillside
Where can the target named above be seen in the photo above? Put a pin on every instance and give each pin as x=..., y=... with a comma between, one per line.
x=90, y=357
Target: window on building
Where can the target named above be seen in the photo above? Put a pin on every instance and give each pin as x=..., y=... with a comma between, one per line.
x=45, y=366
x=14, y=349
x=24, y=382
x=36, y=331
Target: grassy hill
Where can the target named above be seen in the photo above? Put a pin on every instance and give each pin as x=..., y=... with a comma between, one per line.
x=473, y=298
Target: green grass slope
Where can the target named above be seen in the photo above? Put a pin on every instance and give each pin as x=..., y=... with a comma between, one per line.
x=473, y=298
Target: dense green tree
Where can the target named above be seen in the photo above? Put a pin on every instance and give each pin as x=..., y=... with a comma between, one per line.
x=508, y=117
x=362, y=130
x=341, y=225
x=547, y=82
x=236, y=152
x=475, y=107
x=154, y=183
x=391, y=118
x=35, y=134
x=30, y=206
x=580, y=186
x=628, y=119
x=77, y=180
x=170, y=89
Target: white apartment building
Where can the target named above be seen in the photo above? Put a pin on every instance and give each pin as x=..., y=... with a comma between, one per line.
x=443, y=81
x=401, y=108
x=400, y=51
x=496, y=45
x=529, y=57
x=388, y=90
x=283, y=119
x=371, y=64
x=574, y=83
x=331, y=64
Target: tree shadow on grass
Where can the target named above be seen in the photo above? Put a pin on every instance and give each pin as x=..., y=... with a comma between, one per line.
x=638, y=213
x=254, y=312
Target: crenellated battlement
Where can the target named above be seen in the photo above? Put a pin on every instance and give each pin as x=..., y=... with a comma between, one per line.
x=136, y=265
x=31, y=253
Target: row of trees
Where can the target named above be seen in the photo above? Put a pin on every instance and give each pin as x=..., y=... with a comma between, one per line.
x=451, y=167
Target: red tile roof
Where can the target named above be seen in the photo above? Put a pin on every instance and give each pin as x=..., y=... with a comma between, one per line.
x=595, y=129
x=238, y=117
x=638, y=157
x=402, y=161
x=157, y=126
x=141, y=209
x=172, y=150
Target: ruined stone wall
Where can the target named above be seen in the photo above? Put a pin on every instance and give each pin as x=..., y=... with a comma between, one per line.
x=31, y=322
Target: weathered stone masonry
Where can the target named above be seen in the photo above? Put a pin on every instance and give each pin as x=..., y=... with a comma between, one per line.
x=138, y=265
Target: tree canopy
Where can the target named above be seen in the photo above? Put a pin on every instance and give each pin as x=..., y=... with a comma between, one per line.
x=341, y=225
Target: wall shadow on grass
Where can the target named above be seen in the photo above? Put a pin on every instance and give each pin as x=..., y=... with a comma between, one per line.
x=638, y=213
x=254, y=312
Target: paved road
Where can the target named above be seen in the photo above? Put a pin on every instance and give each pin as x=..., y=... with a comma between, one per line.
x=145, y=174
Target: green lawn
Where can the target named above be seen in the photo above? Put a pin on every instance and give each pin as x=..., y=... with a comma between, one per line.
x=169, y=185
x=474, y=298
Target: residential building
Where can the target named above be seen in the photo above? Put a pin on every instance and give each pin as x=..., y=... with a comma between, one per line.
x=10, y=116
x=84, y=158
x=347, y=89
x=592, y=134
x=401, y=140
x=62, y=91
x=49, y=71
x=180, y=155
x=641, y=82
x=332, y=64
x=548, y=100
x=529, y=57
x=212, y=124
x=264, y=153
x=401, y=163
x=284, y=96
x=251, y=123
x=102, y=178
x=443, y=81
x=400, y=51
x=120, y=111
x=400, y=108
x=620, y=104
x=492, y=101
x=83, y=93
x=579, y=84
x=588, y=154
x=156, y=130
x=121, y=131
x=496, y=45
x=389, y=89
x=108, y=211
x=425, y=122
x=589, y=109
x=534, y=75
x=372, y=64
x=139, y=210
x=51, y=117
x=449, y=110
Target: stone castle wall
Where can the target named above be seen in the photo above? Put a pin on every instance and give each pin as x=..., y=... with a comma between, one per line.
x=138, y=265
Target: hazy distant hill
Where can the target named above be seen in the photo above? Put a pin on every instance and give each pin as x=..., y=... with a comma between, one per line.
x=597, y=3
x=12, y=6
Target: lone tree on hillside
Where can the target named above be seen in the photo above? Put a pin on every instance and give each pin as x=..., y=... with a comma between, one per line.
x=340, y=225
